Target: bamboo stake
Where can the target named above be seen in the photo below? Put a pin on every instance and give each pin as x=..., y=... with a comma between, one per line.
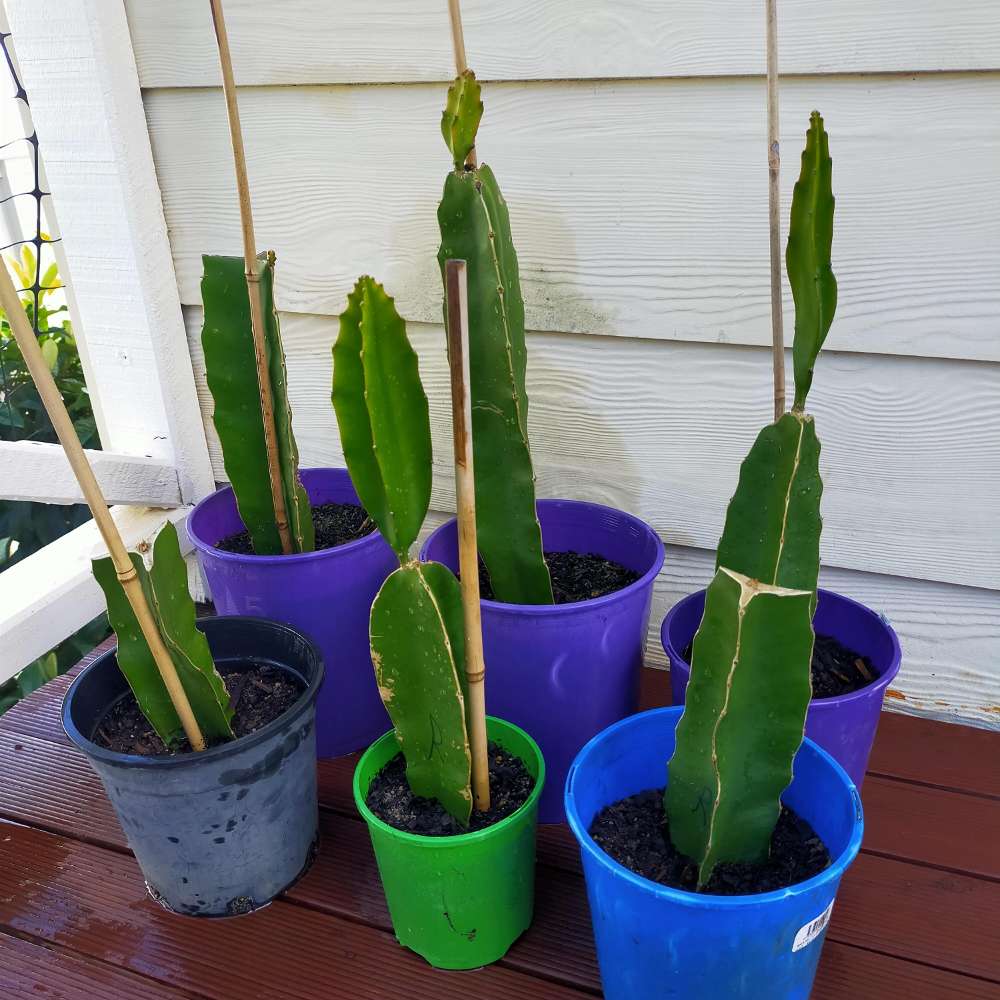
x=774, y=208
x=461, y=63
x=253, y=278
x=10, y=302
x=468, y=553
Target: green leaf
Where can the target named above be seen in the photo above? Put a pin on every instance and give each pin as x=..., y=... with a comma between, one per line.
x=807, y=257
x=50, y=353
x=165, y=587
x=744, y=718
x=475, y=227
x=33, y=676
x=231, y=372
x=383, y=415
x=418, y=650
x=462, y=114
x=773, y=523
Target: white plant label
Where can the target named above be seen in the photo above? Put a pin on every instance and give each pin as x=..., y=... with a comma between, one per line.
x=809, y=932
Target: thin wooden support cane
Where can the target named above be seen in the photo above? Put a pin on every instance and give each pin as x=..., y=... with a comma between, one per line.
x=774, y=208
x=468, y=554
x=461, y=64
x=66, y=432
x=253, y=279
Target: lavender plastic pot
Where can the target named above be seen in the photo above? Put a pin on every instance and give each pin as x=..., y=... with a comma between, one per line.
x=327, y=595
x=843, y=726
x=565, y=672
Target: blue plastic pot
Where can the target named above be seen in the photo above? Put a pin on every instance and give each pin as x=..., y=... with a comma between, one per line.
x=654, y=942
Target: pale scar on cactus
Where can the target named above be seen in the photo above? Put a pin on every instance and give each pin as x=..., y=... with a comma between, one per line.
x=475, y=227
x=166, y=589
x=231, y=372
x=754, y=645
x=416, y=628
x=734, y=756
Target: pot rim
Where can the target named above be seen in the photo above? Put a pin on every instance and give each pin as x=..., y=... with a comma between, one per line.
x=683, y=897
x=473, y=837
x=208, y=548
x=880, y=683
x=577, y=607
x=193, y=758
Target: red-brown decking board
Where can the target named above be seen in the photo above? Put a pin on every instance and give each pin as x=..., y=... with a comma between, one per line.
x=917, y=917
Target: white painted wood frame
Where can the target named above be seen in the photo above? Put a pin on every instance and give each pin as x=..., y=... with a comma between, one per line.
x=77, y=65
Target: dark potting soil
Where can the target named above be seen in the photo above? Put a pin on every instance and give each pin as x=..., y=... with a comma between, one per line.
x=634, y=832
x=836, y=670
x=576, y=576
x=258, y=695
x=335, y=524
x=390, y=798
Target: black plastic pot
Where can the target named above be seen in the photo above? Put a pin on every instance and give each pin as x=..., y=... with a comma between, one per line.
x=223, y=831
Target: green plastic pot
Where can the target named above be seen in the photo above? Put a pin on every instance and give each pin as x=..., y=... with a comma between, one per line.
x=460, y=902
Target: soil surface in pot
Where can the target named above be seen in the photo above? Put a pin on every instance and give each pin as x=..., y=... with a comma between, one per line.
x=335, y=524
x=258, y=694
x=576, y=576
x=634, y=832
x=836, y=670
x=390, y=798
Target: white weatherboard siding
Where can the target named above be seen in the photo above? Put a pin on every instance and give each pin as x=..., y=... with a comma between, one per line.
x=629, y=141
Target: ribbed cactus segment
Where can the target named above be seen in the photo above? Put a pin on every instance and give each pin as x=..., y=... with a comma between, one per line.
x=166, y=588
x=231, y=372
x=382, y=414
x=475, y=227
x=807, y=257
x=773, y=523
x=744, y=717
x=418, y=648
x=461, y=116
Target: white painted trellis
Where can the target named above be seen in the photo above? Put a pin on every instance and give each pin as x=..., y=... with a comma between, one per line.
x=629, y=142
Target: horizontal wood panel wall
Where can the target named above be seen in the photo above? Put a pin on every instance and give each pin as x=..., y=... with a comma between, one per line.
x=629, y=142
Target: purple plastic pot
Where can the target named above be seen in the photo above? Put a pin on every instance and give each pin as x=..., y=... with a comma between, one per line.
x=327, y=595
x=565, y=672
x=843, y=726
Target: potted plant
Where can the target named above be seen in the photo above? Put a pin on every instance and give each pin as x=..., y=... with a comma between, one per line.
x=222, y=831
x=296, y=548
x=856, y=654
x=212, y=772
x=568, y=584
x=722, y=884
x=458, y=876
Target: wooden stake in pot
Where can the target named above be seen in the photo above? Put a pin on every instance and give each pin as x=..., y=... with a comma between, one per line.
x=253, y=279
x=461, y=63
x=66, y=432
x=468, y=554
x=774, y=208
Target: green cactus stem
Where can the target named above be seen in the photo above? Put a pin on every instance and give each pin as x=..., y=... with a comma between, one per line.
x=475, y=227
x=744, y=714
x=807, y=256
x=418, y=648
x=382, y=414
x=231, y=372
x=166, y=589
x=773, y=523
x=416, y=627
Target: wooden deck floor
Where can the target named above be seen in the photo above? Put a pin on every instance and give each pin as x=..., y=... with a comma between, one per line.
x=918, y=915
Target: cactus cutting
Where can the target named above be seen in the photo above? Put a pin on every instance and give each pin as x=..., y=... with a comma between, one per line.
x=755, y=640
x=475, y=227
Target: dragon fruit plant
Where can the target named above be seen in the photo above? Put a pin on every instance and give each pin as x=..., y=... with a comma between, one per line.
x=416, y=625
x=231, y=372
x=754, y=645
x=475, y=227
